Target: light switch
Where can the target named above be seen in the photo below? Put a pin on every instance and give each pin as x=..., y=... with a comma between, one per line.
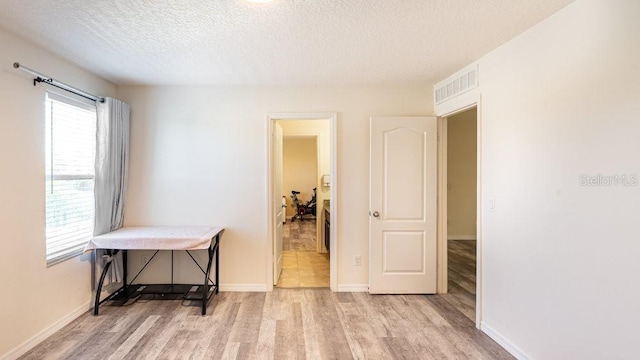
x=326, y=180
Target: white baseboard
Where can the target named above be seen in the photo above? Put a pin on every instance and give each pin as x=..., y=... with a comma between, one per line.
x=504, y=342
x=353, y=288
x=45, y=333
x=243, y=287
x=461, y=237
x=263, y=288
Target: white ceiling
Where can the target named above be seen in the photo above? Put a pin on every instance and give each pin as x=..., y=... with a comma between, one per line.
x=287, y=42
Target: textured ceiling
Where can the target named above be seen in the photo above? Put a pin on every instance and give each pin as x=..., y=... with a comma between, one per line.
x=287, y=42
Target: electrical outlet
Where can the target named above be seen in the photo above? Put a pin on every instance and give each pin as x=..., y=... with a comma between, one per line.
x=357, y=260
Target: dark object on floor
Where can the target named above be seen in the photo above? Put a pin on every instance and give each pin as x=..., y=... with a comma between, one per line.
x=303, y=209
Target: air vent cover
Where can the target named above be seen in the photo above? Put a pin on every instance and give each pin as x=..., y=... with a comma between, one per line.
x=457, y=84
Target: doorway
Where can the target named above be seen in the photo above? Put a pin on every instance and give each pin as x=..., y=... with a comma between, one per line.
x=459, y=211
x=303, y=249
x=305, y=260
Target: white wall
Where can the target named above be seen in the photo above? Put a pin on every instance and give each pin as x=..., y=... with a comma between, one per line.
x=561, y=261
x=34, y=297
x=199, y=156
x=300, y=168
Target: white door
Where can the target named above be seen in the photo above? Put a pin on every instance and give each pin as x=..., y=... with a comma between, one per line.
x=402, y=221
x=279, y=208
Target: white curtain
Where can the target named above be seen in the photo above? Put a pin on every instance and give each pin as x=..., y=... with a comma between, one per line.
x=111, y=171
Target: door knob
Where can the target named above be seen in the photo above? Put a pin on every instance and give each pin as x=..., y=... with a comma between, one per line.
x=374, y=214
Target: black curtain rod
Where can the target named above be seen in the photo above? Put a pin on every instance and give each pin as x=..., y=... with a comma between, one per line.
x=41, y=78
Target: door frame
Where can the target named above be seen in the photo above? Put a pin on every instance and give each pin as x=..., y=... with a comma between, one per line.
x=442, y=203
x=278, y=231
x=333, y=192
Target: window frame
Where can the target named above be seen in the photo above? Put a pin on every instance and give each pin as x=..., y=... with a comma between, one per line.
x=83, y=104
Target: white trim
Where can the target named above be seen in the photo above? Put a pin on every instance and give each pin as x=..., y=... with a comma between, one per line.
x=460, y=103
x=71, y=99
x=504, y=342
x=333, y=192
x=479, y=207
x=46, y=332
x=244, y=287
x=461, y=237
x=442, y=260
x=353, y=288
x=471, y=99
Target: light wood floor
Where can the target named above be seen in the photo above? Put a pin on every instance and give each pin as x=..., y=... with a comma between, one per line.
x=283, y=324
x=289, y=324
x=302, y=266
x=299, y=235
x=462, y=276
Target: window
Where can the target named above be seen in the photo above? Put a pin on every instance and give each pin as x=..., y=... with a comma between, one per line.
x=70, y=134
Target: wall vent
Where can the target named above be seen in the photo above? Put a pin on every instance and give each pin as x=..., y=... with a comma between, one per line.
x=457, y=84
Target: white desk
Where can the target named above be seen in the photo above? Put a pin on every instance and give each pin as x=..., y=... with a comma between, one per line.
x=158, y=238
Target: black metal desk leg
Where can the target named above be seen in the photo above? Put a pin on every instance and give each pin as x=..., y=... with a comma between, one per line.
x=124, y=271
x=205, y=287
x=217, y=251
x=99, y=288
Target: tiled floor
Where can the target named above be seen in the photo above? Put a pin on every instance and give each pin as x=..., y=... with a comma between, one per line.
x=302, y=265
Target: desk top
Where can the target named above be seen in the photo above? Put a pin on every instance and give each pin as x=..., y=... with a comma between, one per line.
x=156, y=238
